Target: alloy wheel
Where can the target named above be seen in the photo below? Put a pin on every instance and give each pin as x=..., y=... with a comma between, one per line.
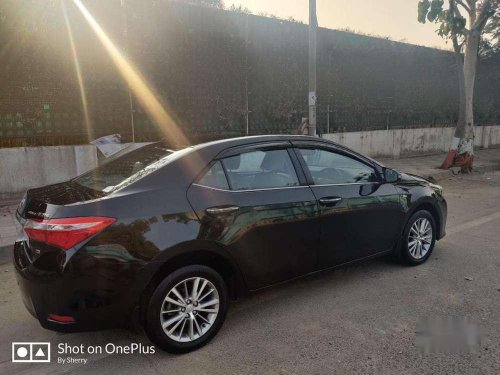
x=420, y=238
x=189, y=309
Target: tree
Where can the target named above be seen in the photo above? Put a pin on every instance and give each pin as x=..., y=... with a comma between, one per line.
x=465, y=34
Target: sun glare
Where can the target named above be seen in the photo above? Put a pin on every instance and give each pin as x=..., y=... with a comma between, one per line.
x=83, y=94
x=142, y=91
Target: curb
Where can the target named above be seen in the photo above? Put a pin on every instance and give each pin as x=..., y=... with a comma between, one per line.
x=488, y=168
x=442, y=174
x=439, y=175
x=6, y=254
x=7, y=199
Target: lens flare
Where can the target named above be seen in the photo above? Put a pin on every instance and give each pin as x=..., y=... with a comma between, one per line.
x=142, y=91
x=79, y=76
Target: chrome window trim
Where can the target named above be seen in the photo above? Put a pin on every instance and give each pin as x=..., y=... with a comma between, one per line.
x=250, y=190
x=347, y=183
x=284, y=187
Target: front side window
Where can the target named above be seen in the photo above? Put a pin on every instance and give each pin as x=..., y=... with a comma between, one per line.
x=327, y=167
x=260, y=170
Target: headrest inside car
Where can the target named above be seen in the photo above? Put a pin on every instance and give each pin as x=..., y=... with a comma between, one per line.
x=233, y=162
x=273, y=161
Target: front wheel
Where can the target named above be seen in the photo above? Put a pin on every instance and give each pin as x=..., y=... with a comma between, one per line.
x=187, y=309
x=418, y=238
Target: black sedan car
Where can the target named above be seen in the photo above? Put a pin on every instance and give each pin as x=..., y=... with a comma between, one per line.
x=168, y=237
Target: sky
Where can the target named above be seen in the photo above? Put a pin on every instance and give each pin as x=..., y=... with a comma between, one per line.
x=396, y=19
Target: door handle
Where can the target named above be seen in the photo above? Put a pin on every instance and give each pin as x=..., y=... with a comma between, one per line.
x=222, y=210
x=329, y=201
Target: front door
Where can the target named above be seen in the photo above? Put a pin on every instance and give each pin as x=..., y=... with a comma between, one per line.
x=256, y=203
x=360, y=214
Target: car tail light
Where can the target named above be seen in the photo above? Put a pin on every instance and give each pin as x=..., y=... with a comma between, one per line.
x=67, y=232
x=63, y=319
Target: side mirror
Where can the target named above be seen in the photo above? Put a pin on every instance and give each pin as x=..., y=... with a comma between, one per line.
x=391, y=175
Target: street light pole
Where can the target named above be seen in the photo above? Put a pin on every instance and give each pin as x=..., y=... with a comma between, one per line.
x=313, y=25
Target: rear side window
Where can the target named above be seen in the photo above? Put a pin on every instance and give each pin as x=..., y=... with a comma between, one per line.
x=327, y=167
x=214, y=178
x=260, y=170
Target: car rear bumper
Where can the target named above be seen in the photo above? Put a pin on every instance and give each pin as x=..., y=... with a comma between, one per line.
x=89, y=300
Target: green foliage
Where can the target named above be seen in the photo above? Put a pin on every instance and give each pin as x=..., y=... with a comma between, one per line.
x=450, y=23
x=206, y=3
x=435, y=11
x=239, y=9
x=423, y=9
x=203, y=62
x=490, y=45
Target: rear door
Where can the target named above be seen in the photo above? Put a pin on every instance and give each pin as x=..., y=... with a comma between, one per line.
x=360, y=214
x=256, y=203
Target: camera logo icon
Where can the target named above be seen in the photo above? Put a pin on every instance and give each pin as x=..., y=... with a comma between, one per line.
x=31, y=352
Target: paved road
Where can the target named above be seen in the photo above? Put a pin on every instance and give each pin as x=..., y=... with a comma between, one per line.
x=360, y=319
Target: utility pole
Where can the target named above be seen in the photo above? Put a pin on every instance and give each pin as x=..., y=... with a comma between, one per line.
x=328, y=118
x=126, y=49
x=313, y=25
x=247, y=109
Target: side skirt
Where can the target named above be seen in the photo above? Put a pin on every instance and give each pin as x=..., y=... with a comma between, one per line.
x=386, y=252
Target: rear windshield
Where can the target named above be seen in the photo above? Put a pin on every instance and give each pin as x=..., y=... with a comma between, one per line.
x=130, y=166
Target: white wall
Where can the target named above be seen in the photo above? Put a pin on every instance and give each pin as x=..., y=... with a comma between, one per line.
x=406, y=142
x=22, y=168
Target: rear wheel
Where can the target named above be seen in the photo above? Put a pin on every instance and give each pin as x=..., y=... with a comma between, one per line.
x=418, y=238
x=187, y=309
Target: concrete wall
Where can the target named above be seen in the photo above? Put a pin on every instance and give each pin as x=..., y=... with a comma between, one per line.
x=22, y=168
x=406, y=142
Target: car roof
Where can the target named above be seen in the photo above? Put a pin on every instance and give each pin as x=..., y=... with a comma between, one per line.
x=222, y=144
x=212, y=148
x=241, y=141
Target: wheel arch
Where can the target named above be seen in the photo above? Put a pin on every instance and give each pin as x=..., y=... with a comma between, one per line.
x=219, y=262
x=430, y=207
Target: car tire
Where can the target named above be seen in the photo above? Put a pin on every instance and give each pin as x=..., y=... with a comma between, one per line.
x=419, y=237
x=198, y=332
